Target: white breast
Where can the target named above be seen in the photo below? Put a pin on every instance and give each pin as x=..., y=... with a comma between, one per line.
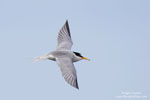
x=76, y=58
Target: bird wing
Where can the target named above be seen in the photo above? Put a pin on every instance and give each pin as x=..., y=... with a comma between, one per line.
x=68, y=71
x=64, y=38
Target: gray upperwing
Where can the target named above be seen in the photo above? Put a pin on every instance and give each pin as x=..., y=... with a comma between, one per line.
x=64, y=38
x=68, y=71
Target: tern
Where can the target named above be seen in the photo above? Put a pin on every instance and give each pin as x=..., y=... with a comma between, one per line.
x=64, y=57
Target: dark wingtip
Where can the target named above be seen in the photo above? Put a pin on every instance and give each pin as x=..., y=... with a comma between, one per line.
x=66, y=20
x=67, y=26
x=77, y=86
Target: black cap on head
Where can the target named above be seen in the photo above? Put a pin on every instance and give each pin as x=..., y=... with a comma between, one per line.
x=77, y=54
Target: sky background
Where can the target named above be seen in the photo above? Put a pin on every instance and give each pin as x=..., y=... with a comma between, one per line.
x=114, y=34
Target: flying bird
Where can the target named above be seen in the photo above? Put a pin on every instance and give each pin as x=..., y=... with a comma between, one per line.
x=64, y=57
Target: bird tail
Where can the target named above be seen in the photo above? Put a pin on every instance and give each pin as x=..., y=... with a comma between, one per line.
x=40, y=58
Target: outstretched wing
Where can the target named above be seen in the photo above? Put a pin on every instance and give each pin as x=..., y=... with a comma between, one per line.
x=68, y=71
x=64, y=38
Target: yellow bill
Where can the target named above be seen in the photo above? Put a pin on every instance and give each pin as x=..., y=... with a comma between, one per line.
x=85, y=58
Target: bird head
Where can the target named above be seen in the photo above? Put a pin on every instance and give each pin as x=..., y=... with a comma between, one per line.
x=79, y=55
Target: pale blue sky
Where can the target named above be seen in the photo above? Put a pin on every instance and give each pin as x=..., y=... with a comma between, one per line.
x=114, y=34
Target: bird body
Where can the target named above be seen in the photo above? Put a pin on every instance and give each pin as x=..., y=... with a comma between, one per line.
x=59, y=53
x=64, y=57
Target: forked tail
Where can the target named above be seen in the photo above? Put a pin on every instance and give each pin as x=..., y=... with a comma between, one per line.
x=40, y=58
